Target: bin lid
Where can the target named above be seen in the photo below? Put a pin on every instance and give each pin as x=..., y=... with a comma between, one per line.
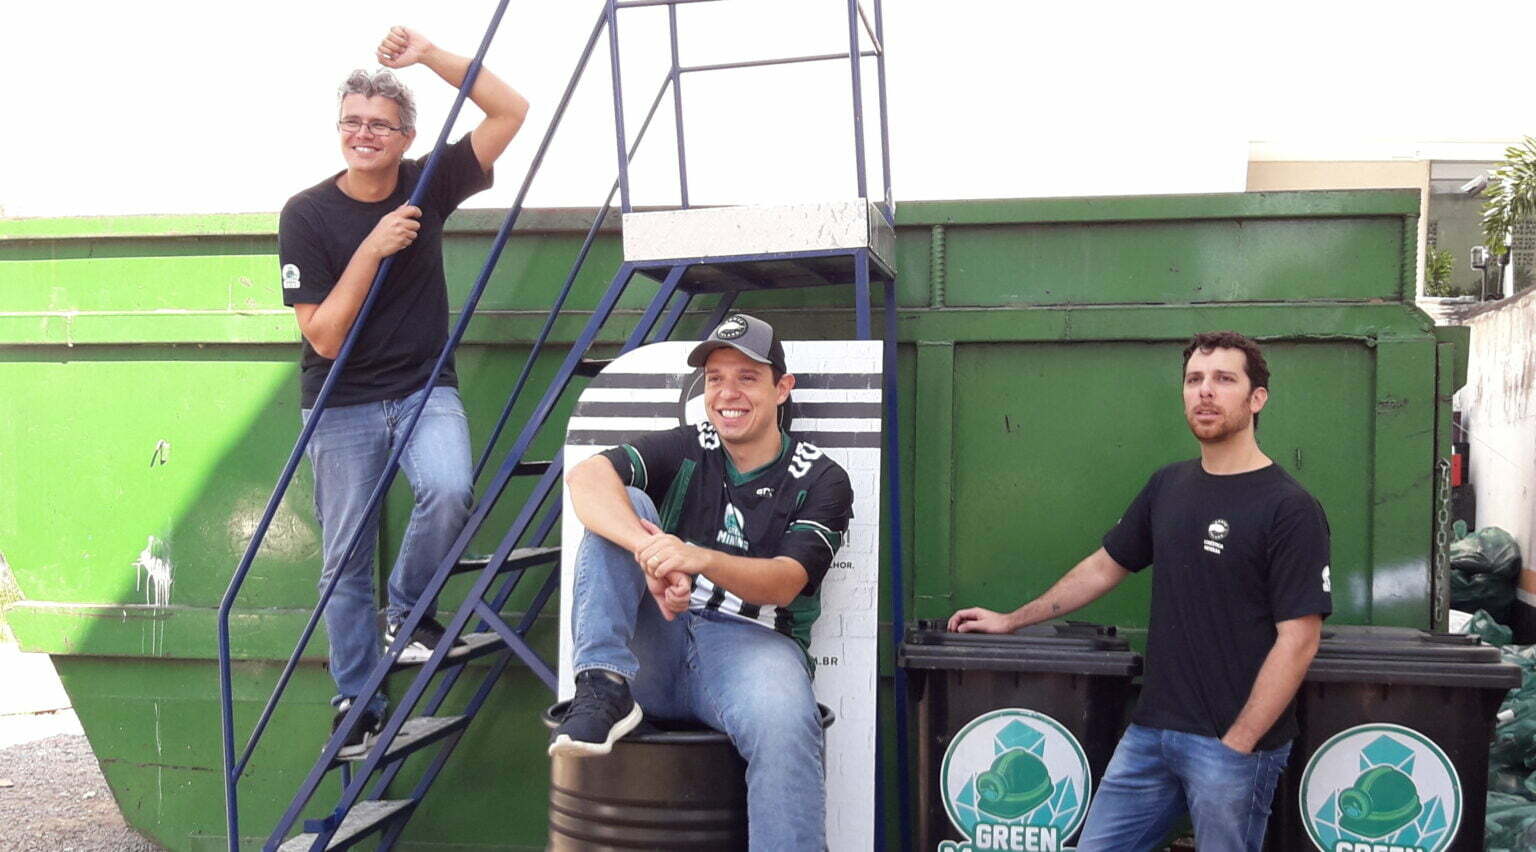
x=1405, y=655
x=1072, y=647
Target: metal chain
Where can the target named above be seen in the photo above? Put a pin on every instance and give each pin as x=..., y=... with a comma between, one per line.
x=1442, y=578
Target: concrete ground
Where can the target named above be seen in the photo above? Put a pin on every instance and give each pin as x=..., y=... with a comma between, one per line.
x=53, y=797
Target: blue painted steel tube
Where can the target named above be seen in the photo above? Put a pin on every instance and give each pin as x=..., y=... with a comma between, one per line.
x=861, y=293
x=565, y=291
x=618, y=105
x=885, y=124
x=898, y=586
x=677, y=108
x=226, y=604
x=858, y=96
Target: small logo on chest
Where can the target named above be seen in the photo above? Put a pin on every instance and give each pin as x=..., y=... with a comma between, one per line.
x=733, y=529
x=1215, y=535
x=765, y=492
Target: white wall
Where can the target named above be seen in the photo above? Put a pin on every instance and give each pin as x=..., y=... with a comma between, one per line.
x=1499, y=409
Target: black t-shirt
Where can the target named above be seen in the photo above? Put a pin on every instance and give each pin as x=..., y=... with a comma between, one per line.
x=320, y=229
x=797, y=505
x=1234, y=555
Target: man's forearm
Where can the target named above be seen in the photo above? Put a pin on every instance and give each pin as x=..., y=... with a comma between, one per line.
x=327, y=326
x=491, y=94
x=1088, y=581
x=777, y=580
x=602, y=504
x=1279, y=677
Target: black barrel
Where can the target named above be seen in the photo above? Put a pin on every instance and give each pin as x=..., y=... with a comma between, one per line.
x=667, y=785
x=1009, y=699
x=1393, y=748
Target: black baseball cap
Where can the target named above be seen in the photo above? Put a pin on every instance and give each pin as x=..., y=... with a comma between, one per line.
x=746, y=334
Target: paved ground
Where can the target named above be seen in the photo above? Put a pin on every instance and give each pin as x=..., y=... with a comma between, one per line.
x=52, y=795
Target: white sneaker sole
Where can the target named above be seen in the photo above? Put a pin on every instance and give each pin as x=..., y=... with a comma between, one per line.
x=349, y=752
x=564, y=746
x=414, y=653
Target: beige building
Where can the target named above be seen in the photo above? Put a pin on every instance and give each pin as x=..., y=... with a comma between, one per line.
x=1449, y=218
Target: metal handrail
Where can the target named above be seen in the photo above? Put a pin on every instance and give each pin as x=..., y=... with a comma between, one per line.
x=234, y=770
x=607, y=19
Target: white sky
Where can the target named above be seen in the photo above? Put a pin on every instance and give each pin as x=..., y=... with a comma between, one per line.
x=173, y=106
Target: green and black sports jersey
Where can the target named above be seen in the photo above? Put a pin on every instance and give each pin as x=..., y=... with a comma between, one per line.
x=797, y=505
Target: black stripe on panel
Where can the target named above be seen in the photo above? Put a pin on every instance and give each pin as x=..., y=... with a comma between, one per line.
x=625, y=409
x=677, y=380
x=639, y=380
x=824, y=440
x=871, y=410
x=837, y=380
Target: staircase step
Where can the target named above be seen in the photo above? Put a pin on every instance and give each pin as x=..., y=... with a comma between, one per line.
x=590, y=367
x=365, y=818
x=523, y=557
x=417, y=733
x=475, y=645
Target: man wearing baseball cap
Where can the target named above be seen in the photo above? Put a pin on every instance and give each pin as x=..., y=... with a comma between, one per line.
x=701, y=609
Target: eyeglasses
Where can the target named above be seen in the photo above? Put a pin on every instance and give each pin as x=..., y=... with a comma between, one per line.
x=377, y=128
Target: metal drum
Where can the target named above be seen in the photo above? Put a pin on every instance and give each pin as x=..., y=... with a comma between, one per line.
x=668, y=785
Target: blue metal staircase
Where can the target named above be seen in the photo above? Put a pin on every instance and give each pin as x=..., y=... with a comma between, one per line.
x=417, y=720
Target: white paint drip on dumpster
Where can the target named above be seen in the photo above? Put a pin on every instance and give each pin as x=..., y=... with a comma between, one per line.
x=152, y=573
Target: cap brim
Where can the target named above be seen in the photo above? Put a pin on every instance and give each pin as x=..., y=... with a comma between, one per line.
x=700, y=353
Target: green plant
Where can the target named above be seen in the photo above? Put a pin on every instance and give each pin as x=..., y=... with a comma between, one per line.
x=1511, y=195
x=1438, y=266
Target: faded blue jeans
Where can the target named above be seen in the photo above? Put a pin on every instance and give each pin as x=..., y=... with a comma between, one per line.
x=743, y=679
x=1158, y=775
x=348, y=452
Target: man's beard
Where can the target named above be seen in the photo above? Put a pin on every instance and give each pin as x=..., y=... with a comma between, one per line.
x=1226, y=427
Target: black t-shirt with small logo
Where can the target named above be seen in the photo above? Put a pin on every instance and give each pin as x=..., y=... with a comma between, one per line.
x=317, y=233
x=1233, y=556
x=797, y=505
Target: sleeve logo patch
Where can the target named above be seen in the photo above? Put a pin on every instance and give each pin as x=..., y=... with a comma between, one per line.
x=290, y=276
x=1327, y=581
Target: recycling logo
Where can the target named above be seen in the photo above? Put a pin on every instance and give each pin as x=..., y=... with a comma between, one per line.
x=1381, y=787
x=1014, y=779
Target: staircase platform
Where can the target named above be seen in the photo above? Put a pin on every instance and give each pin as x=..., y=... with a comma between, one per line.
x=762, y=247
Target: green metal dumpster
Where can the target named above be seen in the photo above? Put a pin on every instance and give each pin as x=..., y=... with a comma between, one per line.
x=151, y=395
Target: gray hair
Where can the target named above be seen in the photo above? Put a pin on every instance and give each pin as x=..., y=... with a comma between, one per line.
x=384, y=84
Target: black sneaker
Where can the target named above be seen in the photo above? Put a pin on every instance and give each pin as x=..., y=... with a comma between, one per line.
x=601, y=713
x=423, y=640
x=362, y=735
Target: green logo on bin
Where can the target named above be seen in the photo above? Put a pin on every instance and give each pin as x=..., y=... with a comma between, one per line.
x=1378, y=787
x=1014, y=780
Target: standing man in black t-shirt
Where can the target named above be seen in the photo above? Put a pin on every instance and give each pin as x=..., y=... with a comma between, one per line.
x=749, y=520
x=1239, y=593
x=332, y=239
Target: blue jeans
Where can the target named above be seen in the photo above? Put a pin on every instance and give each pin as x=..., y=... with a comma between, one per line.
x=348, y=452
x=1157, y=775
x=743, y=679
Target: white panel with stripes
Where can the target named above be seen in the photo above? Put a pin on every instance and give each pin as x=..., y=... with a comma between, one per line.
x=836, y=406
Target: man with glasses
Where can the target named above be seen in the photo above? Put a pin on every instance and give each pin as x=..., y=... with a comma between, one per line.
x=332, y=238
